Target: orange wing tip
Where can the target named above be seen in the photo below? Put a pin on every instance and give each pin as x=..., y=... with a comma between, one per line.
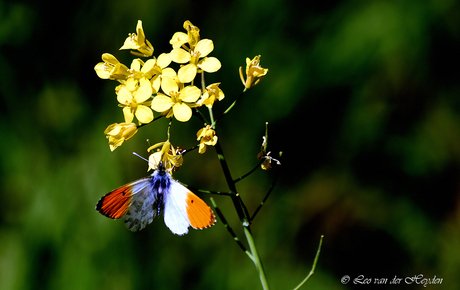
x=199, y=213
x=115, y=204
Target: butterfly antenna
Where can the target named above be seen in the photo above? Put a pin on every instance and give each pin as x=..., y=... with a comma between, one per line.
x=148, y=161
x=140, y=156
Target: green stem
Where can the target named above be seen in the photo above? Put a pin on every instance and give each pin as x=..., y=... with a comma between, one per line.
x=241, y=209
x=229, y=108
x=211, y=116
x=242, y=214
x=314, y=264
x=230, y=230
x=272, y=186
x=250, y=172
x=255, y=255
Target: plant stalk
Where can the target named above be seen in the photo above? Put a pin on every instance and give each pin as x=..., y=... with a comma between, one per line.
x=243, y=215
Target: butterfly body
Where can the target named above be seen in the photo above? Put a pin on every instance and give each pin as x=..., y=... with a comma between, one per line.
x=141, y=201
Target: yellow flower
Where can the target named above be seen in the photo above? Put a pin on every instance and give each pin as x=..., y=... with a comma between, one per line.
x=178, y=39
x=111, y=68
x=191, y=37
x=152, y=70
x=206, y=136
x=211, y=94
x=138, y=42
x=254, y=72
x=170, y=156
x=197, y=60
x=119, y=133
x=177, y=102
x=193, y=33
x=135, y=104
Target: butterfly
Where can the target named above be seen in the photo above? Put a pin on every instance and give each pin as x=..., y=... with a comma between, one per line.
x=141, y=201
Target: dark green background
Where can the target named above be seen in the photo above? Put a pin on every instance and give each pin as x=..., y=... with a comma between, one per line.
x=363, y=98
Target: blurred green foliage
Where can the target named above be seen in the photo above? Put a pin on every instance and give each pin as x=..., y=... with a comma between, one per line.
x=362, y=97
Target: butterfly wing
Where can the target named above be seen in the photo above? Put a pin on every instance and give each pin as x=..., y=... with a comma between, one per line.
x=136, y=201
x=143, y=208
x=183, y=209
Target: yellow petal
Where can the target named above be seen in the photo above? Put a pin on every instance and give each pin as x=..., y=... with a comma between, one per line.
x=154, y=159
x=140, y=32
x=120, y=72
x=190, y=94
x=163, y=60
x=130, y=43
x=144, y=114
x=111, y=68
x=112, y=129
x=114, y=143
x=169, y=72
x=131, y=84
x=187, y=73
x=182, y=112
x=200, y=133
x=161, y=103
x=193, y=33
x=129, y=130
x=204, y=46
x=202, y=148
x=144, y=92
x=216, y=91
x=101, y=70
x=178, y=39
x=124, y=96
x=136, y=64
x=248, y=64
x=129, y=116
x=179, y=55
x=209, y=64
x=145, y=49
x=168, y=85
x=148, y=65
x=156, y=82
x=155, y=146
x=109, y=58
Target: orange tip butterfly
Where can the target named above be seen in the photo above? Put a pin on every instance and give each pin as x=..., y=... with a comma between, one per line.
x=143, y=200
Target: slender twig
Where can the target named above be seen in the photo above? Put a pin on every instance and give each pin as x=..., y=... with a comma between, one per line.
x=243, y=215
x=272, y=186
x=189, y=150
x=250, y=172
x=194, y=189
x=143, y=124
x=200, y=116
x=314, y=264
x=211, y=117
x=228, y=109
x=229, y=229
x=203, y=83
x=241, y=209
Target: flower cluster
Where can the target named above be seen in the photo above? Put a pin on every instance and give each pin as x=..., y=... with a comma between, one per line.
x=154, y=87
x=150, y=86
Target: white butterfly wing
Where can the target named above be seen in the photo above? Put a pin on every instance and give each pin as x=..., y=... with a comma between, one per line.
x=183, y=209
x=175, y=212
